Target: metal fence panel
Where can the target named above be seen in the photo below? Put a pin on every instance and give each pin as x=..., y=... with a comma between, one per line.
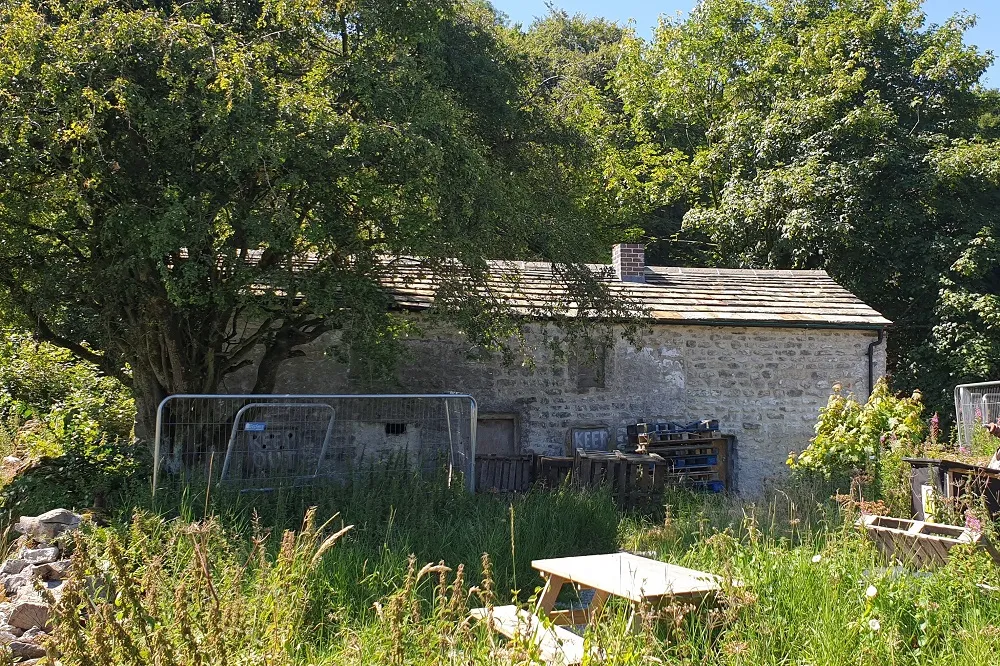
x=264, y=441
x=975, y=404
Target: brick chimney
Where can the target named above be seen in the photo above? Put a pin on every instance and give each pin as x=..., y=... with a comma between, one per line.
x=629, y=260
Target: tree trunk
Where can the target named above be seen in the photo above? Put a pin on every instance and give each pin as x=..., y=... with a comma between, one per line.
x=148, y=394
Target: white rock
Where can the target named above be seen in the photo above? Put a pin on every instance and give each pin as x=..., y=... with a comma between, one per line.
x=12, y=584
x=32, y=633
x=55, y=588
x=11, y=460
x=49, y=525
x=14, y=566
x=60, y=517
x=52, y=570
x=40, y=555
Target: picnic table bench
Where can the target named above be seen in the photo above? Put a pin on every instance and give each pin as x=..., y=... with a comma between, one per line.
x=639, y=580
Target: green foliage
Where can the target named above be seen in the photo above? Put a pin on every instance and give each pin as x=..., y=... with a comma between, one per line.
x=184, y=184
x=243, y=593
x=847, y=135
x=853, y=438
x=185, y=594
x=51, y=401
x=68, y=422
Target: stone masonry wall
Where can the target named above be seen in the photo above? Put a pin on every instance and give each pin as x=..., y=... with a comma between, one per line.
x=764, y=385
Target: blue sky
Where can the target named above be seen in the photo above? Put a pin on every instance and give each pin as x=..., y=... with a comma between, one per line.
x=986, y=34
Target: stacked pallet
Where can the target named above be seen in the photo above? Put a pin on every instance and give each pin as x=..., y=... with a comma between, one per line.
x=697, y=455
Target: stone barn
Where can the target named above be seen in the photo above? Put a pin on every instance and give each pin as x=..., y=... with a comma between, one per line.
x=758, y=350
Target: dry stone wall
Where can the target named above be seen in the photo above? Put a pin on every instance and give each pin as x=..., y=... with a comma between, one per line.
x=764, y=385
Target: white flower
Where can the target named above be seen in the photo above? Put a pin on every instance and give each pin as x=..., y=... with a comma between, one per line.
x=817, y=558
x=874, y=624
x=871, y=591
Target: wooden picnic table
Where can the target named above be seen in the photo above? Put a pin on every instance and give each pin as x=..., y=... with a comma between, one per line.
x=637, y=579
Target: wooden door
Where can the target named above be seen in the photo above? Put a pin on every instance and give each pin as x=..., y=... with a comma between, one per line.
x=496, y=435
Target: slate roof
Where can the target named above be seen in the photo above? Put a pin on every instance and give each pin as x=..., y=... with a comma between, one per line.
x=670, y=295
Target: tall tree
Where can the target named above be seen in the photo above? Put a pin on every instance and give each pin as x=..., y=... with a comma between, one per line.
x=836, y=134
x=191, y=188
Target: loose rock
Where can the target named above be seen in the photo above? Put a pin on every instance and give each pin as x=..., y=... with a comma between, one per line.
x=22, y=650
x=12, y=584
x=29, y=613
x=52, y=570
x=40, y=555
x=49, y=525
x=13, y=566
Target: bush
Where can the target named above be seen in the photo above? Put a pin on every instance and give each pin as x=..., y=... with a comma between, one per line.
x=865, y=440
x=71, y=423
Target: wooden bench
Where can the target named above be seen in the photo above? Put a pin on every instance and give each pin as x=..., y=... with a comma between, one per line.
x=556, y=646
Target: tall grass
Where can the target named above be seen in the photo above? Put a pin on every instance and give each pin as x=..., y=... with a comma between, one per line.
x=396, y=589
x=398, y=513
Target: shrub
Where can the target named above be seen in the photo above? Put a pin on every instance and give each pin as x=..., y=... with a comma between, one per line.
x=867, y=439
x=71, y=422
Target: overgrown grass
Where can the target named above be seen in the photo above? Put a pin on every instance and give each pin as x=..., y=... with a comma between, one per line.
x=805, y=597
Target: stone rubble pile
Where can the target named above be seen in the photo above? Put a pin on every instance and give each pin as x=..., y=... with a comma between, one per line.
x=41, y=562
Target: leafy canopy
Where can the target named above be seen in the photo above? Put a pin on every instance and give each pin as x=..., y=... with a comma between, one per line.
x=847, y=135
x=189, y=189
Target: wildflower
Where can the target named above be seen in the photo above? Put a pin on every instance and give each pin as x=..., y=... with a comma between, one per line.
x=972, y=522
x=871, y=591
x=817, y=558
x=874, y=624
x=964, y=450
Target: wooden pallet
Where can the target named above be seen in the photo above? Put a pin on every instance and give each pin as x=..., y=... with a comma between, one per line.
x=918, y=543
x=556, y=646
x=635, y=479
x=504, y=473
x=552, y=471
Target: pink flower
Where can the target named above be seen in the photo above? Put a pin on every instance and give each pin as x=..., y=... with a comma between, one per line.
x=972, y=523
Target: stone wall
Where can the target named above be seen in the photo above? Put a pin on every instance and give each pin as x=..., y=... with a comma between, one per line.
x=764, y=385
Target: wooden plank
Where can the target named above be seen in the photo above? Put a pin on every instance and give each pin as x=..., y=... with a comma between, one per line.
x=556, y=646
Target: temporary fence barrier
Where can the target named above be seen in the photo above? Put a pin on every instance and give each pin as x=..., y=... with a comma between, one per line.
x=265, y=441
x=975, y=404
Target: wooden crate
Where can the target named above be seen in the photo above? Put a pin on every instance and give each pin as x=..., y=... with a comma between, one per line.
x=505, y=473
x=636, y=480
x=918, y=543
